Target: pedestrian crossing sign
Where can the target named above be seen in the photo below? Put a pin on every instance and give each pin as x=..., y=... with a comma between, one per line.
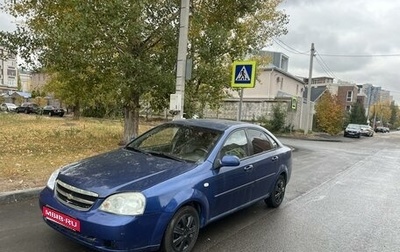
x=243, y=74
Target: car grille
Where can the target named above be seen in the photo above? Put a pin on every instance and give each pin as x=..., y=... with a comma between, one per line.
x=74, y=197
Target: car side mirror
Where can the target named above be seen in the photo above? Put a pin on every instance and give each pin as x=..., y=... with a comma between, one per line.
x=230, y=160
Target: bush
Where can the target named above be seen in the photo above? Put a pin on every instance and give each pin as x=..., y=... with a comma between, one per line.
x=277, y=123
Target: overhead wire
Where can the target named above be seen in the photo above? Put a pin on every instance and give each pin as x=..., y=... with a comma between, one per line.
x=360, y=55
x=287, y=47
x=319, y=59
x=322, y=63
x=324, y=66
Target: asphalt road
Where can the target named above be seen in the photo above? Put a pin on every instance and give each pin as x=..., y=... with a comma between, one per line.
x=343, y=196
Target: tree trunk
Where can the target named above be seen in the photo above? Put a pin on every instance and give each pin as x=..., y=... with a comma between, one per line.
x=77, y=110
x=131, y=120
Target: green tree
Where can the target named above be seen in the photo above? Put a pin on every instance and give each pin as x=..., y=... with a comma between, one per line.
x=329, y=114
x=357, y=114
x=221, y=32
x=394, y=114
x=277, y=122
x=381, y=112
x=116, y=51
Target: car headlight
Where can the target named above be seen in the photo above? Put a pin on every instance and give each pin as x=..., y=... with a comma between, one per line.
x=52, y=180
x=132, y=203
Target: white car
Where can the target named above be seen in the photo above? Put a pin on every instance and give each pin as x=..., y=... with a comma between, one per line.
x=10, y=107
x=367, y=130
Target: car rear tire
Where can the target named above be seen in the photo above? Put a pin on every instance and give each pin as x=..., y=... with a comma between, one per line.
x=182, y=232
x=278, y=193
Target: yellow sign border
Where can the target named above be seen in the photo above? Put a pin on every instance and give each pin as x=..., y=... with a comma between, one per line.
x=252, y=63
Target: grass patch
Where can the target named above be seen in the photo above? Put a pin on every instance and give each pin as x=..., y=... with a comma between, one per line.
x=34, y=146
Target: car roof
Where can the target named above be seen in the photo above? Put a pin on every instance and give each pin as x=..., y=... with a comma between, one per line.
x=216, y=124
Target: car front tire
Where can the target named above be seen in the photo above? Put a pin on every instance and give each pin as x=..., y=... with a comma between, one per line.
x=278, y=193
x=182, y=232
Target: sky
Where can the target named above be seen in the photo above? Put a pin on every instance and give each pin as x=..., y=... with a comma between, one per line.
x=356, y=41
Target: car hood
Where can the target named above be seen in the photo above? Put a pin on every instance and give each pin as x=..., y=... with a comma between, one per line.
x=121, y=170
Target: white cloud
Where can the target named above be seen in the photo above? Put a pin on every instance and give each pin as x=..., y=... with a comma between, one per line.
x=342, y=27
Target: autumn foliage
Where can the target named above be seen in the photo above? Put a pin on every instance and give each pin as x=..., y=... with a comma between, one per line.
x=329, y=114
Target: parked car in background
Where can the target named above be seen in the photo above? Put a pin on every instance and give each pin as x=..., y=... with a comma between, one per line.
x=162, y=187
x=53, y=111
x=366, y=130
x=382, y=129
x=28, y=107
x=10, y=107
x=353, y=130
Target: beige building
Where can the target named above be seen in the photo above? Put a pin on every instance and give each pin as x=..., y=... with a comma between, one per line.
x=8, y=71
x=273, y=82
x=38, y=81
x=385, y=96
x=26, y=81
x=274, y=86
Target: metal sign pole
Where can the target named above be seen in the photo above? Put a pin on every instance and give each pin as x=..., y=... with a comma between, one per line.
x=239, y=116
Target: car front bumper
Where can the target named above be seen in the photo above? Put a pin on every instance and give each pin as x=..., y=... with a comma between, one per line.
x=105, y=231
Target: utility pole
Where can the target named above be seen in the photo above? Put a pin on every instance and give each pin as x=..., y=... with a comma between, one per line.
x=309, y=111
x=182, y=51
x=369, y=103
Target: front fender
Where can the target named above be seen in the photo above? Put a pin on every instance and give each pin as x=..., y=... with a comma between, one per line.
x=190, y=196
x=193, y=197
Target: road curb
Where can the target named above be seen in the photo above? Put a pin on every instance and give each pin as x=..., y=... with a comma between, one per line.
x=20, y=195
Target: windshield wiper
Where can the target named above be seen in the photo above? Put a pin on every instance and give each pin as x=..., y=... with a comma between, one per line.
x=136, y=149
x=166, y=155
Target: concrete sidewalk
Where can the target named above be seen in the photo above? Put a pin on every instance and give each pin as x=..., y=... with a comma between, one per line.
x=314, y=137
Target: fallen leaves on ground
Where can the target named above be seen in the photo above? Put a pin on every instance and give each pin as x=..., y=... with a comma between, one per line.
x=32, y=146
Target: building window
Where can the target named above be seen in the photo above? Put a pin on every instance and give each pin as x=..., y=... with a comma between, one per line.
x=11, y=72
x=348, y=108
x=349, y=97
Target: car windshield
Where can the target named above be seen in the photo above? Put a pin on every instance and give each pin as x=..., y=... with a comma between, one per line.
x=174, y=141
x=353, y=126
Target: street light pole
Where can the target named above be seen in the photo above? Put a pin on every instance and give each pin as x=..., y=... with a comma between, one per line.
x=182, y=51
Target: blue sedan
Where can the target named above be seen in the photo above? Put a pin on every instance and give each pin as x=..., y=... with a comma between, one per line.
x=160, y=189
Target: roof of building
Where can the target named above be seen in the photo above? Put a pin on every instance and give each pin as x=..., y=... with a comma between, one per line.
x=316, y=92
x=22, y=94
x=277, y=69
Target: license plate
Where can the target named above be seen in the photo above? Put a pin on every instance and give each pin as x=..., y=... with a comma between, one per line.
x=61, y=219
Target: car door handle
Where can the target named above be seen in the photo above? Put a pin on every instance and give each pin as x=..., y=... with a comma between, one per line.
x=248, y=168
x=274, y=158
